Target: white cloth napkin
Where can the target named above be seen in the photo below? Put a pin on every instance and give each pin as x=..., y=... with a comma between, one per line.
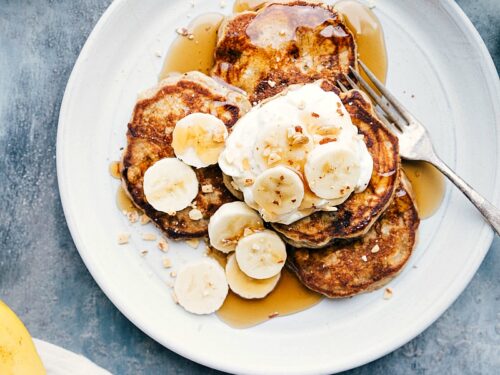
x=59, y=361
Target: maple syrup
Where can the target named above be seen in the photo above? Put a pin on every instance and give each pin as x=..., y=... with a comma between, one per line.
x=289, y=297
x=244, y=5
x=123, y=202
x=428, y=186
x=195, y=50
x=206, y=143
x=368, y=34
x=114, y=169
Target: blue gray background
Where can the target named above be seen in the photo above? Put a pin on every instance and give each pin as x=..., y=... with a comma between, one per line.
x=41, y=274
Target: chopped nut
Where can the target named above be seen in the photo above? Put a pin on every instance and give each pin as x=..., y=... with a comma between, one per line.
x=132, y=216
x=299, y=139
x=375, y=249
x=171, y=213
x=388, y=293
x=193, y=242
x=195, y=214
x=248, y=182
x=273, y=158
x=327, y=140
x=149, y=237
x=163, y=245
x=190, y=36
x=271, y=83
x=207, y=188
x=167, y=263
x=330, y=208
x=246, y=164
x=247, y=232
x=158, y=53
x=144, y=219
x=282, y=32
x=364, y=258
x=173, y=274
x=182, y=31
x=273, y=315
x=327, y=130
x=123, y=238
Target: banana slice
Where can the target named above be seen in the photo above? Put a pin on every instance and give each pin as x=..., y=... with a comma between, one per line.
x=278, y=190
x=245, y=286
x=332, y=170
x=170, y=185
x=231, y=186
x=261, y=255
x=228, y=224
x=201, y=286
x=198, y=139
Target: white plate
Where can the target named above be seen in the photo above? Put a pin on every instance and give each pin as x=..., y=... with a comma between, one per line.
x=435, y=54
x=59, y=361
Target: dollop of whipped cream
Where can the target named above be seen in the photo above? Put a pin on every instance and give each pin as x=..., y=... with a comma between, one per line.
x=296, y=154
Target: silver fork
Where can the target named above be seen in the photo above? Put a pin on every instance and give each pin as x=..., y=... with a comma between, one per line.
x=414, y=141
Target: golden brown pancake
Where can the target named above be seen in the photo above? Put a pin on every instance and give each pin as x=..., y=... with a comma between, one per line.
x=356, y=215
x=149, y=139
x=350, y=267
x=265, y=51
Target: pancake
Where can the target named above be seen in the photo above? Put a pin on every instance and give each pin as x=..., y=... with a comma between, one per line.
x=340, y=270
x=149, y=139
x=360, y=211
x=265, y=51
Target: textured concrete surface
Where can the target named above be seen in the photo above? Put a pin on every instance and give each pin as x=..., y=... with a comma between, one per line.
x=41, y=274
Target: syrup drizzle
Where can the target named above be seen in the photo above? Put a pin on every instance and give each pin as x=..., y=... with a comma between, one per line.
x=194, y=51
x=368, y=34
x=197, y=53
x=428, y=186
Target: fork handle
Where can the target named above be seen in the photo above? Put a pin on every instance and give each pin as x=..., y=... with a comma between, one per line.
x=489, y=212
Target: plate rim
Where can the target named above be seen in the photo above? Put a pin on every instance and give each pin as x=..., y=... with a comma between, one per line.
x=484, y=241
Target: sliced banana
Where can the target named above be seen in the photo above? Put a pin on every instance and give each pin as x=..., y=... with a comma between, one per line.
x=246, y=286
x=278, y=190
x=198, y=139
x=261, y=255
x=332, y=170
x=170, y=185
x=228, y=224
x=201, y=286
x=231, y=186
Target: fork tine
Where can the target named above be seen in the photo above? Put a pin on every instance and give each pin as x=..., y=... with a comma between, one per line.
x=342, y=87
x=384, y=105
x=390, y=98
x=381, y=116
x=351, y=82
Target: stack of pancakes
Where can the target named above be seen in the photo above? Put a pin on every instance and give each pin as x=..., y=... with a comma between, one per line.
x=359, y=247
